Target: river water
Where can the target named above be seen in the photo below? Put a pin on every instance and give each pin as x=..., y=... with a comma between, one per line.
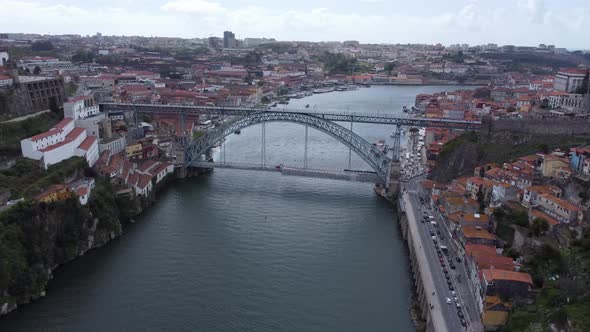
x=250, y=251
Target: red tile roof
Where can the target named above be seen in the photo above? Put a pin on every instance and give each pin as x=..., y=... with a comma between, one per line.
x=488, y=261
x=82, y=191
x=63, y=123
x=75, y=133
x=87, y=143
x=538, y=214
x=144, y=180
x=563, y=203
x=41, y=136
x=146, y=165
x=495, y=274
x=474, y=249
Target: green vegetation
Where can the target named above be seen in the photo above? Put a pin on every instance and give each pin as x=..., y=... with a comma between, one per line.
x=35, y=237
x=71, y=89
x=27, y=178
x=460, y=155
x=337, y=63
x=540, y=226
x=198, y=133
x=11, y=133
x=506, y=220
x=564, y=298
x=583, y=89
x=42, y=45
x=83, y=56
x=452, y=145
x=389, y=67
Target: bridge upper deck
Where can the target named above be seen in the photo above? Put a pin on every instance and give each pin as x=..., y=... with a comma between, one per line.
x=378, y=118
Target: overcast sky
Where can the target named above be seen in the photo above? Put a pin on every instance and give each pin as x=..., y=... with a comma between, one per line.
x=565, y=23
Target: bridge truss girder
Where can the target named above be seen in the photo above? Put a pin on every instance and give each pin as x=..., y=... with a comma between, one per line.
x=378, y=160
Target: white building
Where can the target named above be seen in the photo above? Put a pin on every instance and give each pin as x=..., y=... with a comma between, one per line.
x=5, y=80
x=80, y=107
x=569, y=79
x=114, y=144
x=61, y=142
x=3, y=58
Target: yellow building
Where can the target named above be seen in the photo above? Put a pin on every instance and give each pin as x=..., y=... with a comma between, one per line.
x=56, y=192
x=134, y=151
x=495, y=313
x=552, y=164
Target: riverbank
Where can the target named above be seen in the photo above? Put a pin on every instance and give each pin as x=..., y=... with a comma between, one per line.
x=39, y=238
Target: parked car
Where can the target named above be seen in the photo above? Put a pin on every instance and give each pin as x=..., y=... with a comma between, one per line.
x=458, y=259
x=448, y=300
x=463, y=322
x=460, y=314
x=452, y=266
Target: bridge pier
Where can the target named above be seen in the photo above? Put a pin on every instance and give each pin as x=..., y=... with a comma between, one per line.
x=391, y=189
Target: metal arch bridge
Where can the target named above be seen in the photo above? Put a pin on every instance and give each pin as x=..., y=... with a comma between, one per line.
x=380, y=118
x=378, y=160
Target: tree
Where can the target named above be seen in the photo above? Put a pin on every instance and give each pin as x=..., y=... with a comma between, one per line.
x=389, y=67
x=42, y=45
x=83, y=56
x=520, y=218
x=540, y=226
x=37, y=70
x=583, y=89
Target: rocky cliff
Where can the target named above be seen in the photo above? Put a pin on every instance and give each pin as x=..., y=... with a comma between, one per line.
x=36, y=238
x=459, y=156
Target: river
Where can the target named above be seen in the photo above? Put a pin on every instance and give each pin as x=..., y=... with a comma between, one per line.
x=249, y=251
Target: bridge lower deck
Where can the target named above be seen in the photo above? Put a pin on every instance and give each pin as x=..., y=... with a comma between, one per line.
x=334, y=174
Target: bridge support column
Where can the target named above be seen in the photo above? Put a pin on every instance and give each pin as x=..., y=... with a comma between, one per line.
x=305, y=151
x=263, y=157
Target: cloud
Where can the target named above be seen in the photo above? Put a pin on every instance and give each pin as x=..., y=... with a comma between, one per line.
x=193, y=6
x=472, y=22
x=535, y=10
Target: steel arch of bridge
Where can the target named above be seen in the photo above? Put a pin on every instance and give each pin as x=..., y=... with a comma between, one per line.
x=378, y=160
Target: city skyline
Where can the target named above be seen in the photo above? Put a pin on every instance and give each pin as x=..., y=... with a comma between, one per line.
x=523, y=22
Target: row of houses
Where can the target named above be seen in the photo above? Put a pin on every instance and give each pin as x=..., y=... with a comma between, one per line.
x=466, y=206
x=141, y=177
x=492, y=276
x=60, y=192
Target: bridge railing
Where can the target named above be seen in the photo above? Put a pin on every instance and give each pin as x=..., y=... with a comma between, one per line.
x=377, y=118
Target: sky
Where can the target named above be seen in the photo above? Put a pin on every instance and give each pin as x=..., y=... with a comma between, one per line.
x=564, y=23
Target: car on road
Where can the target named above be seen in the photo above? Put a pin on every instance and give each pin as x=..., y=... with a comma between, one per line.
x=448, y=300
